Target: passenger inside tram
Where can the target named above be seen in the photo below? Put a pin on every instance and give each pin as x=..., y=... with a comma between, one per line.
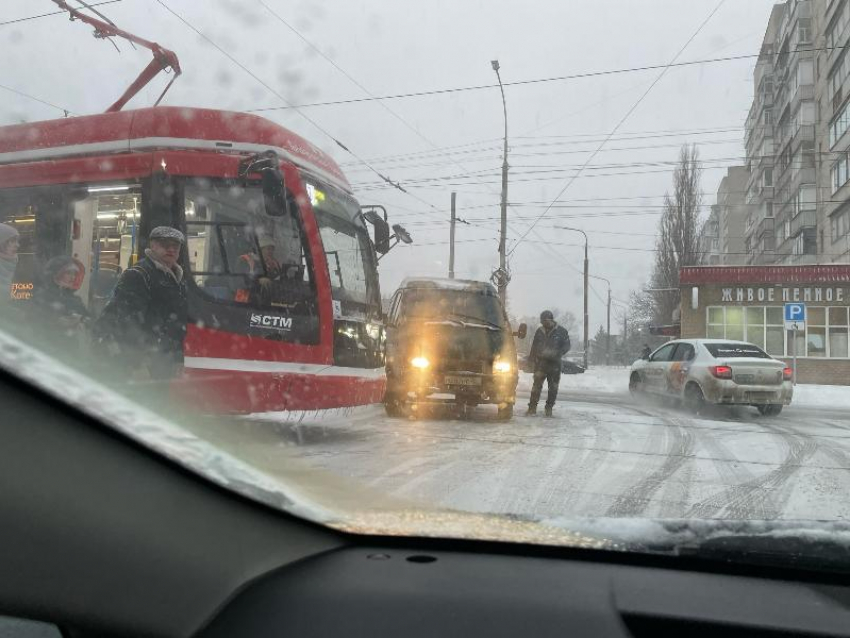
x=8, y=258
x=56, y=308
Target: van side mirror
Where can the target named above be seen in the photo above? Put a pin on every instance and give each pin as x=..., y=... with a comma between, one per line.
x=522, y=331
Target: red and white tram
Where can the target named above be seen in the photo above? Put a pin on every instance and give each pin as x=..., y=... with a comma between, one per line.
x=240, y=187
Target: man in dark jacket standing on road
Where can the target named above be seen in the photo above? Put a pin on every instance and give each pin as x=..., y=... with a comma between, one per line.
x=145, y=321
x=551, y=342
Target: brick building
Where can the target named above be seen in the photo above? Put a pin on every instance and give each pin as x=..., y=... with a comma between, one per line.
x=746, y=303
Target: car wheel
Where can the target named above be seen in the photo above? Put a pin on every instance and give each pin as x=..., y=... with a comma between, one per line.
x=694, y=399
x=635, y=385
x=392, y=406
x=506, y=412
x=769, y=410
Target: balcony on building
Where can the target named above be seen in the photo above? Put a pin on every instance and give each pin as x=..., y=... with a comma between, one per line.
x=804, y=220
x=795, y=175
x=765, y=228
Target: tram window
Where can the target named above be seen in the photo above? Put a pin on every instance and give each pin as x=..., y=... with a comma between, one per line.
x=19, y=213
x=42, y=216
x=348, y=250
x=240, y=254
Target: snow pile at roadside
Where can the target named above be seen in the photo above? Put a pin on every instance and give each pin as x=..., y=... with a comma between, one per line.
x=822, y=396
x=615, y=380
x=604, y=379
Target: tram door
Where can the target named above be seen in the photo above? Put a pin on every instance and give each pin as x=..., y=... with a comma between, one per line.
x=105, y=240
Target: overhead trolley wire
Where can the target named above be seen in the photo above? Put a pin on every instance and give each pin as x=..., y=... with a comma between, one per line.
x=623, y=119
x=55, y=13
x=297, y=109
x=558, y=78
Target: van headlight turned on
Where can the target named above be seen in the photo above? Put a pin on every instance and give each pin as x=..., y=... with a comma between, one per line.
x=501, y=367
x=420, y=363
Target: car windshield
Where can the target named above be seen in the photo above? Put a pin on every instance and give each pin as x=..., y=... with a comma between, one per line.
x=446, y=269
x=735, y=351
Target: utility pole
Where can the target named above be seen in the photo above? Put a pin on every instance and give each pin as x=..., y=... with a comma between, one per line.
x=625, y=336
x=586, y=288
x=503, y=282
x=608, y=335
x=586, y=314
x=452, y=240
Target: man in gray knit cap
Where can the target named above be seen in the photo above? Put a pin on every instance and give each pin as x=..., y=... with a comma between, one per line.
x=146, y=318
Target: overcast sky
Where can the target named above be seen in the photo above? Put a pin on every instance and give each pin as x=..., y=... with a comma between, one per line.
x=433, y=145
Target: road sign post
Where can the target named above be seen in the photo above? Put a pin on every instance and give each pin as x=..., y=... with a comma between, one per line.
x=794, y=365
x=795, y=320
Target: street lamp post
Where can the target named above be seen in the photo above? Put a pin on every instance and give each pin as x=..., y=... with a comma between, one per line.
x=608, y=334
x=586, y=275
x=503, y=282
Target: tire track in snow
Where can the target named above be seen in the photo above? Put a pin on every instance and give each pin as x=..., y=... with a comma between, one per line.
x=753, y=498
x=565, y=484
x=531, y=493
x=651, y=455
x=420, y=469
x=839, y=456
x=634, y=501
x=731, y=470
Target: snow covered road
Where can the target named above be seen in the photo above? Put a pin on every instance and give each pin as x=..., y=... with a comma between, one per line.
x=603, y=455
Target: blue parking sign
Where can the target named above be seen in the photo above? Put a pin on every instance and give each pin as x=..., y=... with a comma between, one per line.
x=795, y=316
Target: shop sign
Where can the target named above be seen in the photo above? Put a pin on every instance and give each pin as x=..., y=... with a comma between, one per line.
x=783, y=295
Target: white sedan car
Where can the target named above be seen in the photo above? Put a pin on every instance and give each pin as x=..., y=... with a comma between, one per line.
x=701, y=371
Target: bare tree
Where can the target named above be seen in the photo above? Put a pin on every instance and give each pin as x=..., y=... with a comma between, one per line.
x=641, y=311
x=678, y=232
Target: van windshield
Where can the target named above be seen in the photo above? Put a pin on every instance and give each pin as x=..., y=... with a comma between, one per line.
x=464, y=305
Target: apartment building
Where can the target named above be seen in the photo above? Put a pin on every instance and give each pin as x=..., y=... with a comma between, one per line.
x=797, y=146
x=833, y=95
x=731, y=215
x=709, y=239
x=759, y=143
x=781, y=131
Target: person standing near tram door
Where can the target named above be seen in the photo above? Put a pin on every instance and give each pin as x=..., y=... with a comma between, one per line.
x=551, y=342
x=56, y=309
x=8, y=260
x=146, y=317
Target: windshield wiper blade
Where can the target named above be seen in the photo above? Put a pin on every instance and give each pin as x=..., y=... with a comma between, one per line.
x=475, y=320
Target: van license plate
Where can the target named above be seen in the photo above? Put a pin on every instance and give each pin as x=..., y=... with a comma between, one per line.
x=465, y=381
